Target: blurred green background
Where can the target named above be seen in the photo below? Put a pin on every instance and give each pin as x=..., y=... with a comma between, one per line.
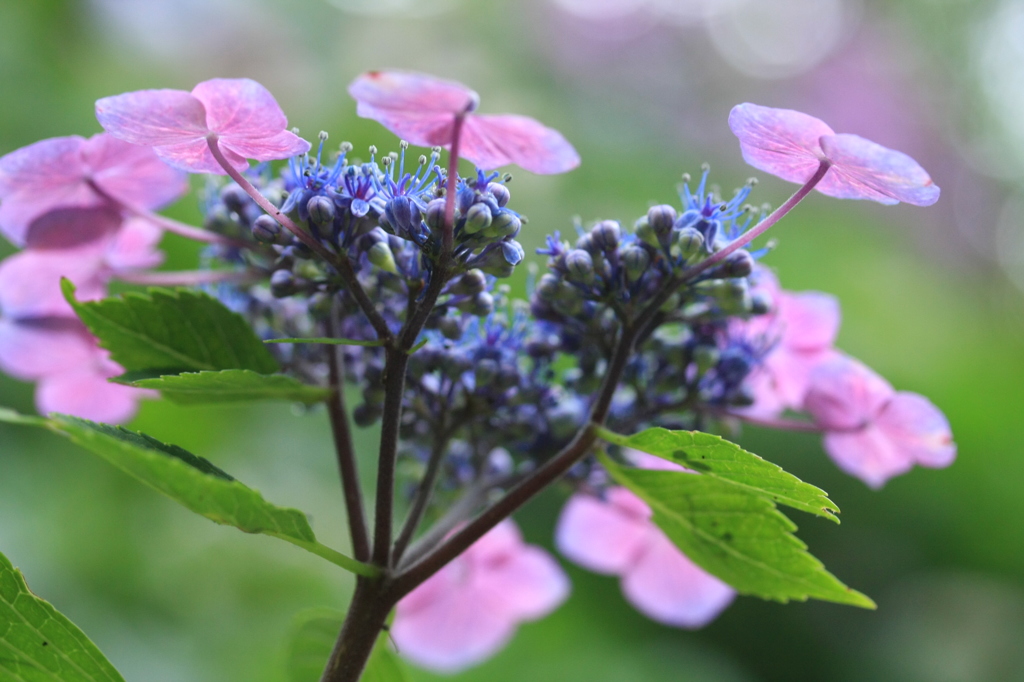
x=931, y=299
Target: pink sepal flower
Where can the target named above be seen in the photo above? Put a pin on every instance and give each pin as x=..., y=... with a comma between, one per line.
x=422, y=109
x=470, y=609
x=802, y=327
x=616, y=536
x=30, y=280
x=71, y=371
x=64, y=172
x=872, y=431
x=240, y=113
x=791, y=145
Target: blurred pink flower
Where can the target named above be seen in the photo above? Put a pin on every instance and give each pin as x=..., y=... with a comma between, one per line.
x=71, y=371
x=238, y=112
x=470, y=609
x=615, y=536
x=792, y=145
x=872, y=431
x=422, y=110
x=802, y=327
x=30, y=280
x=75, y=173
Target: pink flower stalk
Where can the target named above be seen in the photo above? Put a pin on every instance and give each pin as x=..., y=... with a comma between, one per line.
x=793, y=145
x=239, y=114
x=470, y=609
x=803, y=327
x=428, y=111
x=43, y=187
x=71, y=371
x=872, y=431
x=30, y=280
x=616, y=536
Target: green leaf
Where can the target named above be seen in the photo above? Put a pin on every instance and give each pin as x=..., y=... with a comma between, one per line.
x=186, y=478
x=331, y=341
x=173, y=330
x=12, y=417
x=38, y=643
x=736, y=535
x=313, y=637
x=231, y=385
x=717, y=458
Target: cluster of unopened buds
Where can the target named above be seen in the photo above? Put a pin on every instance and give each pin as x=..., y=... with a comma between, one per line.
x=383, y=274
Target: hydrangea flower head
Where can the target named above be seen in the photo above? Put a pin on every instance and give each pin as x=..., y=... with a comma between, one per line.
x=872, y=431
x=615, y=535
x=423, y=110
x=470, y=608
x=792, y=145
x=239, y=113
x=40, y=183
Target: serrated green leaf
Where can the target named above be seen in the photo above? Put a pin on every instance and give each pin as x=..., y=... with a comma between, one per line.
x=328, y=340
x=172, y=330
x=312, y=640
x=736, y=535
x=186, y=478
x=231, y=385
x=717, y=458
x=38, y=643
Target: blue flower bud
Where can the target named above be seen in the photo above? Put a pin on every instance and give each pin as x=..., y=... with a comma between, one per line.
x=359, y=207
x=642, y=228
x=478, y=217
x=465, y=198
x=580, y=266
x=689, y=243
x=283, y=284
x=450, y=327
x=500, y=193
x=404, y=215
x=472, y=282
x=485, y=371
x=234, y=198
x=505, y=224
x=737, y=264
x=483, y=304
x=435, y=214
x=548, y=287
x=321, y=210
x=606, y=235
x=267, y=230
x=586, y=243
x=733, y=296
x=760, y=303
x=636, y=259
x=366, y=415
x=513, y=252
x=380, y=255
x=661, y=218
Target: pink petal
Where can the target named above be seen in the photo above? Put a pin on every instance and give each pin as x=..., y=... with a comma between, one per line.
x=782, y=142
x=282, y=145
x=39, y=178
x=870, y=454
x=862, y=169
x=810, y=319
x=69, y=228
x=30, y=280
x=452, y=631
x=791, y=372
x=33, y=349
x=494, y=141
x=845, y=394
x=529, y=584
x=194, y=156
x=153, y=118
x=600, y=536
x=85, y=392
x=134, y=247
x=919, y=429
x=420, y=109
x=470, y=608
x=644, y=460
x=768, y=402
x=132, y=174
x=666, y=586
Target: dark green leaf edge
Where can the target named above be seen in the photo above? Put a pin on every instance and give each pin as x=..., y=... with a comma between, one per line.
x=190, y=388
